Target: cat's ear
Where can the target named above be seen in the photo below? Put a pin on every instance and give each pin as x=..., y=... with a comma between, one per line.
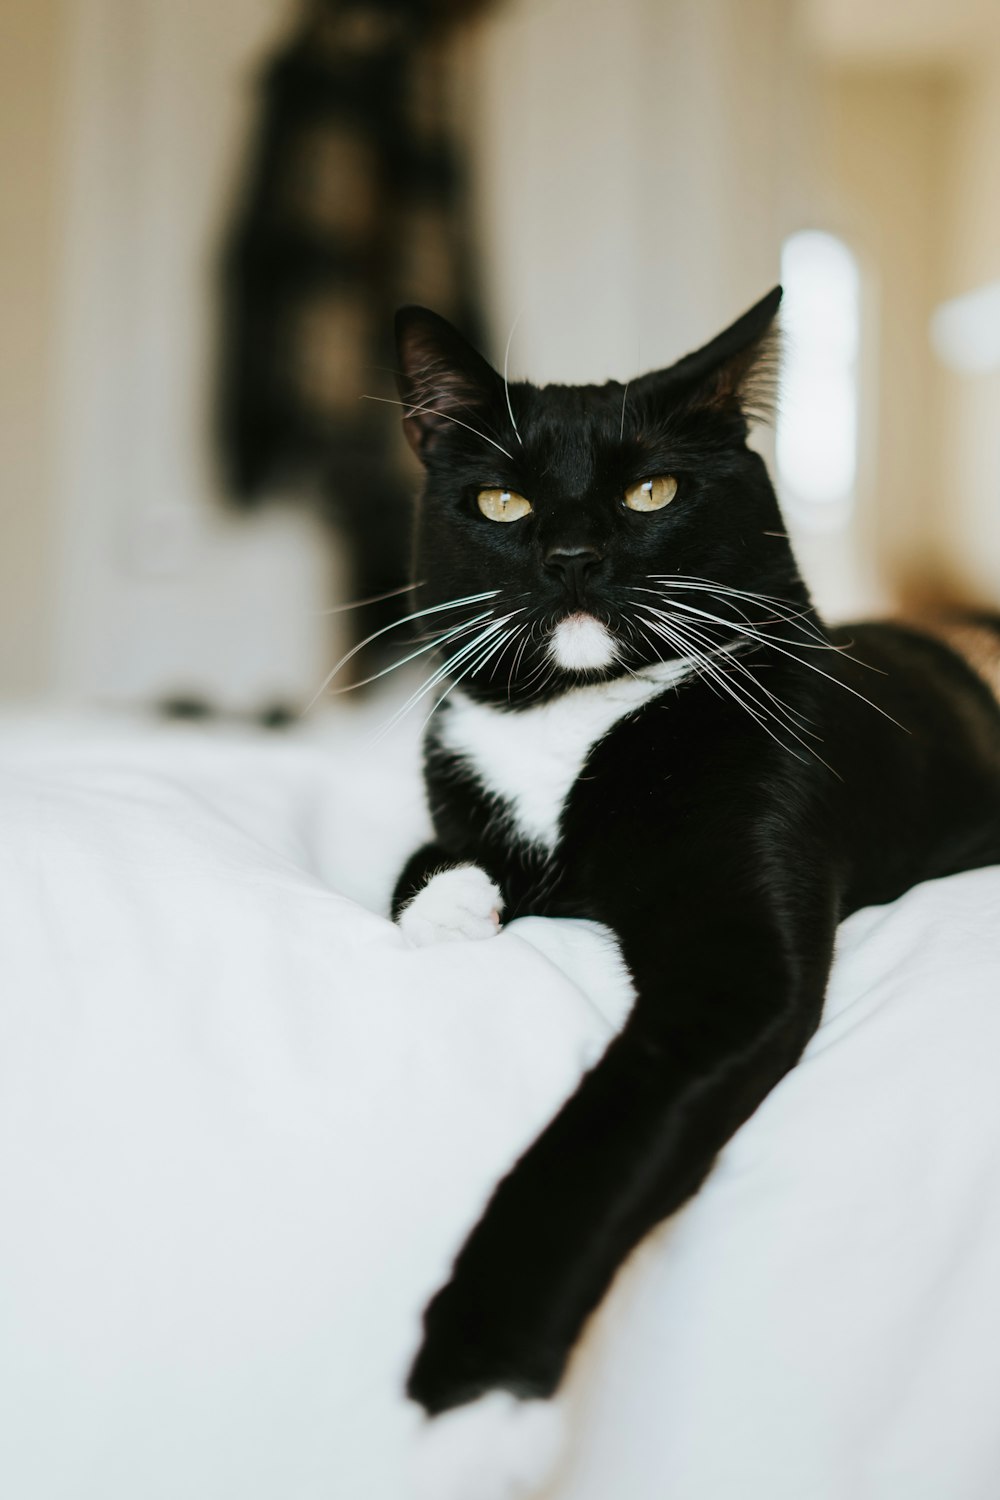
x=736, y=373
x=442, y=380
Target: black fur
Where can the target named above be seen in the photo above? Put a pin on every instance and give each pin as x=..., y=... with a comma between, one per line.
x=723, y=848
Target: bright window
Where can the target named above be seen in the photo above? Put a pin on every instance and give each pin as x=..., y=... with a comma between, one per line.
x=816, y=440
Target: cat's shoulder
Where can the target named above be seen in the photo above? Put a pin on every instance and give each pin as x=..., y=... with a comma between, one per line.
x=971, y=636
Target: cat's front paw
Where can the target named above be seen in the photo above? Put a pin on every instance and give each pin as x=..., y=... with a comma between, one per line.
x=455, y=904
x=495, y=1448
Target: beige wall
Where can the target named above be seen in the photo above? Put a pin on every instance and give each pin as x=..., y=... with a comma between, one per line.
x=889, y=154
x=638, y=169
x=970, y=456
x=912, y=104
x=31, y=80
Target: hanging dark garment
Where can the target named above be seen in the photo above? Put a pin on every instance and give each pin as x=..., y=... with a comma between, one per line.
x=353, y=203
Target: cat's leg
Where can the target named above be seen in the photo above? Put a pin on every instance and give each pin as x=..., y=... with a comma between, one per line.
x=727, y=1001
x=439, y=899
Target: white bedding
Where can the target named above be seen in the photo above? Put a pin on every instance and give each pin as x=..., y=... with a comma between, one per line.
x=243, y=1128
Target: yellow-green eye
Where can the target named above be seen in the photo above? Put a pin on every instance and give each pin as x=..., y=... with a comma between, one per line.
x=651, y=494
x=503, y=505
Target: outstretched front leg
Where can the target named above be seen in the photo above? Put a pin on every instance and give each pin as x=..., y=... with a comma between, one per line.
x=729, y=991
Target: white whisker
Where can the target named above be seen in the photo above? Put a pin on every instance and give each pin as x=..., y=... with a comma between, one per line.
x=418, y=614
x=506, y=386
x=772, y=645
x=491, y=650
x=719, y=680
x=748, y=624
x=412, y=406
x=793, y=720
x=429, y=645
x=771, y=601
x=339, y=609
x=430, y=683
x=462, y=654
x=732, y=660
x=621, y=430
x=525, y=630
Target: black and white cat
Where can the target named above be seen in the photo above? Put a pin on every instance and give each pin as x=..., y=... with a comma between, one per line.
x=649, y=726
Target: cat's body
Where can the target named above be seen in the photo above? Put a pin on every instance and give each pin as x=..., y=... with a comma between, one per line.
x=525, y=793
x=652, y=729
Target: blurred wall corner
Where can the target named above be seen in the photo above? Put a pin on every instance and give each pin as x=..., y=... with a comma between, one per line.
x=32, y=78
x=910, y=100
x=889, y=128
x=970, y=458
x=353, y=203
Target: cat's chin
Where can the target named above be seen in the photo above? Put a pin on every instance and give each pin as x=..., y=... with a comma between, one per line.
x=582, y=644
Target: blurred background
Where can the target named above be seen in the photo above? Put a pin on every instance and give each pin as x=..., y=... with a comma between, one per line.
x=210, y=211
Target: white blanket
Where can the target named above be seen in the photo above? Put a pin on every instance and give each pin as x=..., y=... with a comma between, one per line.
x=243, y=1129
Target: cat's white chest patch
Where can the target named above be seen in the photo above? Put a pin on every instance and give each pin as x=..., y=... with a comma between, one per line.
x=531, y=757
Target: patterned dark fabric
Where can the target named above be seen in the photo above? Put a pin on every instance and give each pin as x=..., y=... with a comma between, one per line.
x=353, y=203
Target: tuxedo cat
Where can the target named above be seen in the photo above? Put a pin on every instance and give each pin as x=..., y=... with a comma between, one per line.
x=644, y=722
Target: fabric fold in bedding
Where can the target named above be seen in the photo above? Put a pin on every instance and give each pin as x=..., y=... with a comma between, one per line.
x=243, y=1129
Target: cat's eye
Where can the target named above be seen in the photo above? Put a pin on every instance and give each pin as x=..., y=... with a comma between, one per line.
x=503, y=505
x=651, y=494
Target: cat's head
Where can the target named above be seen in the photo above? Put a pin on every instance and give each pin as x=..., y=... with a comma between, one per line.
x=572, y=533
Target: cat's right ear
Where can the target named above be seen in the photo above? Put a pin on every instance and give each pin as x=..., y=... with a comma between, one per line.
x=442, y=380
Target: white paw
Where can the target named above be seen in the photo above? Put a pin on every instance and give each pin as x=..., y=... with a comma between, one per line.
x=459, y=903
x=496, y=1448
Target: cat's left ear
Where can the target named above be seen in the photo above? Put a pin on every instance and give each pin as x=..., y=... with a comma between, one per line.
x=737, y=372
x=444, y=382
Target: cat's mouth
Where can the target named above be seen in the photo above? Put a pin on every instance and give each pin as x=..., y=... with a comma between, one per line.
x=582, y=643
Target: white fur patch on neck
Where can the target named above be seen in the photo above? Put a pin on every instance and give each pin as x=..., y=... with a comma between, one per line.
x=580, y=643
x=531, y=757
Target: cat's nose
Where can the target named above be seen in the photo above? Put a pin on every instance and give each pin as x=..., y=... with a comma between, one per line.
x=572, y=564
